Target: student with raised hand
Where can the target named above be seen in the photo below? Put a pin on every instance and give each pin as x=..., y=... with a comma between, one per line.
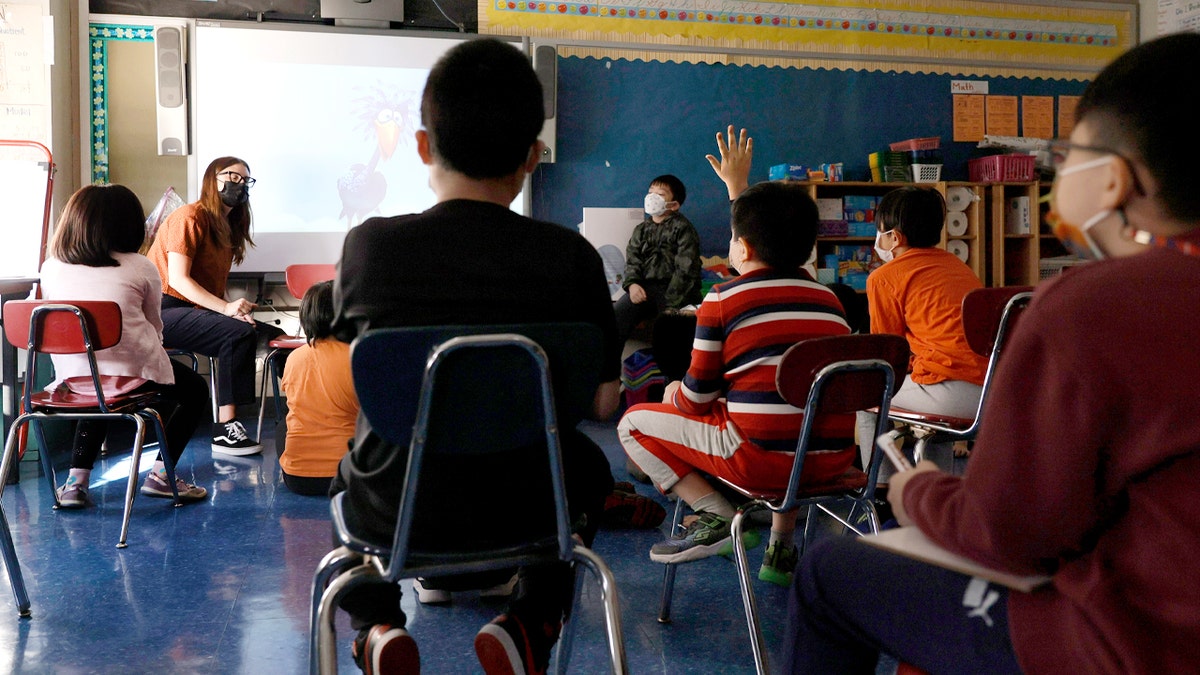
x=725, y=417
x=322, y=403
x=918, y=294
x=1089, y=444
x=481, y=113
x=194, y=250
x=94, y=256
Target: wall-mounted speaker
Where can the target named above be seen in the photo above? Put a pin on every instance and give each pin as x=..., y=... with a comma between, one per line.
x=170, y=89
x=545, y=64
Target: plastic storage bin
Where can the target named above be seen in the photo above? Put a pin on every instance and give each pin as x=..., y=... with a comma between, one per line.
x=1015, y=168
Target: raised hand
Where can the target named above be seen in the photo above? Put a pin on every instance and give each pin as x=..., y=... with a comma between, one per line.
x=734, y=165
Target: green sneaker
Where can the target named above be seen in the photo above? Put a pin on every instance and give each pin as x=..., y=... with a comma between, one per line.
x=778, y=564
x=709, y=535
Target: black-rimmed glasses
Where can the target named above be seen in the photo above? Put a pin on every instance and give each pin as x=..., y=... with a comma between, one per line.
x=235, y=177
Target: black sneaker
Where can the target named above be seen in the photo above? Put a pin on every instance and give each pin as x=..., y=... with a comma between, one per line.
x=230, y=438
x=505, y=647
x=384, y=650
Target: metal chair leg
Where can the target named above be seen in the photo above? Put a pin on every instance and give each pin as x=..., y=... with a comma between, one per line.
x=9, y=551
x=326, y=643
x=612, y=610
x=668, y=590
x=757, y=642
x=334, y=563
x=131, y=488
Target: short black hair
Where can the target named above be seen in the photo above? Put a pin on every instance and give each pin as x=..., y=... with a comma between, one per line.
x=1135, y=107
x=97, y=221
x=779, y=220
x=482, y=108
x=316, y=311
x=919, y=213
x=678, y=191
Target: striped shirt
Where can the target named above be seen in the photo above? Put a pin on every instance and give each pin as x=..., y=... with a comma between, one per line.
x=743, y=327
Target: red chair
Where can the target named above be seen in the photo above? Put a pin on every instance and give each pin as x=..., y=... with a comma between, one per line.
x=77, y=327
x=988, y=317
x=299, y=279
x=822, y=376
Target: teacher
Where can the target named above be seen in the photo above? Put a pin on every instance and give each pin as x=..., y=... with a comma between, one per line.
x=194, y=250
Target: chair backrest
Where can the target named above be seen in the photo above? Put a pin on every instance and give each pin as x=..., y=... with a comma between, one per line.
x=301, y=276
x=986, y=310
x=466, y=399
x=62, y=326
x=837, y=375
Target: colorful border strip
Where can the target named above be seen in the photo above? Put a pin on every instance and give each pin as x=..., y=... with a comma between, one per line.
x=99, y=35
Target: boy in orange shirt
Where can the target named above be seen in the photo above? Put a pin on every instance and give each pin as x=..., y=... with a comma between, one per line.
x=918, y=294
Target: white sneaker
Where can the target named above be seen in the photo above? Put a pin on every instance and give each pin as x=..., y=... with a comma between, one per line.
x=430, y=596
x=499, y=590
x=230, y=438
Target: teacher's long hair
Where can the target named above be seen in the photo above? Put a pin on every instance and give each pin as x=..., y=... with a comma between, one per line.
x=234, y=230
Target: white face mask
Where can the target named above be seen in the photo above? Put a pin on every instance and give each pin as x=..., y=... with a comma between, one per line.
x=655, y=204
x=884, y=254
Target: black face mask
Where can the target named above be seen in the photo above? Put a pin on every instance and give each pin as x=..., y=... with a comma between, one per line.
x=234, y=194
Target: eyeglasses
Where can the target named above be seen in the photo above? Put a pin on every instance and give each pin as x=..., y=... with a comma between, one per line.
x=1060, y=149
x=235, y=177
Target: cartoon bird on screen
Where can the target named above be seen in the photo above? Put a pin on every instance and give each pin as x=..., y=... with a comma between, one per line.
x=387, y=118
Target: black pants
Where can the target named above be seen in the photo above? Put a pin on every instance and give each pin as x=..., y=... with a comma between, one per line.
x=182, y=406
x=544, y=592
x=233, y=341
x=630, y=314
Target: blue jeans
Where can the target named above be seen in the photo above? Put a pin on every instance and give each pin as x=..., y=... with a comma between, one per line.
x=851, y=601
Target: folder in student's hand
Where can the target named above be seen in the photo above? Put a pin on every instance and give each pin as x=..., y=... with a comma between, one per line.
x=912, y=542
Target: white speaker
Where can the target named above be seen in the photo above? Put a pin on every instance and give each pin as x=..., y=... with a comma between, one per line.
x=170, y=89
x=545, y=64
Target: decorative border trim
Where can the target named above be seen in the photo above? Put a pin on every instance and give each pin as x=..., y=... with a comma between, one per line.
x=99, y=35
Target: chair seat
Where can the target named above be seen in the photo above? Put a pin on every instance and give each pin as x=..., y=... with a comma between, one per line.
x=852, y=480
x=923, y=418
x=64, y=400
x=287, y=342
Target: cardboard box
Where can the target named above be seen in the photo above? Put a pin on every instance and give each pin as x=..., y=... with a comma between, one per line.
x=829, y=208
x=859, y=208
x=1019, y=220
x=833, y=228
x=782, y=171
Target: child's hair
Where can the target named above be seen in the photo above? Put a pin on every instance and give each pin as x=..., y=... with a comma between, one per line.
x=97, y=221
x=678, y=191
x=316, y=311
x=482, y=108
x=918, y=213
x=779, y=220
x=1133, y=107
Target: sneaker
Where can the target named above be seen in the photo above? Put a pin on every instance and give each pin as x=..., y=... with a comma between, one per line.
x=72, y=496
x=429, y=596
x=499, y=590
x=384, y=650
x=230, y=438
x=629, y=509
x=505, y=647
x=707, y=536
x=156, y=485
x=778, y=565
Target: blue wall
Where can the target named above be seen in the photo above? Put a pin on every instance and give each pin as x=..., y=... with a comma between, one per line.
x=620, y=123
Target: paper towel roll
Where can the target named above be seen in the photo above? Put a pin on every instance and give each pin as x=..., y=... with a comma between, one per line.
x=959, y=248
x=956, y=223
x=958, y=198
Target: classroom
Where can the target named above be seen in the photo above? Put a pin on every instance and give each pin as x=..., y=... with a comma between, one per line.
x=313, y=109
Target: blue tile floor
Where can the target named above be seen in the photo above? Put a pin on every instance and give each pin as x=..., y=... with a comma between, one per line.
x=223, y=586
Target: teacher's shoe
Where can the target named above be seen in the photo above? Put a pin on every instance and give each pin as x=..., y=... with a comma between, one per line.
x=230, y=438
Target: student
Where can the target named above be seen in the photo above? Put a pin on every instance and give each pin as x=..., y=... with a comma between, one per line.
x=322, y=404
x=725, y=417
x=481, y=112
x=1089, y=446
x=917, y=294
x=662, y=259
x=194, y=250
x=94, y=256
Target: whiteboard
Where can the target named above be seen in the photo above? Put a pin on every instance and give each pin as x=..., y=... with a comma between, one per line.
x=22, y=213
